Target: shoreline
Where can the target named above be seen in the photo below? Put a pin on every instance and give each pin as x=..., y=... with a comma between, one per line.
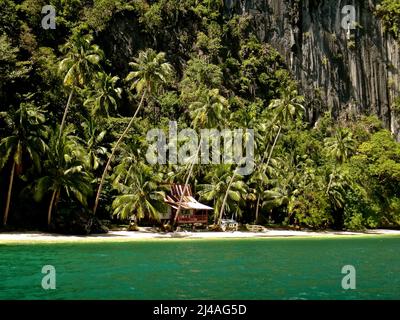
x=143, y=235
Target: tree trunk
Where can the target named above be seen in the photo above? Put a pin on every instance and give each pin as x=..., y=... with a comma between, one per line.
x=268, y=161
x=226, y=197
x=273, y=146
x=186, y=183
x=53, y=196
x=66, y=111
x=257, y=208
x=10, y=185
x=330, y=180
x=113, y=153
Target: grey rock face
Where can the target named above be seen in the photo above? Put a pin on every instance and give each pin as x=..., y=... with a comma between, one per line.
x=350, y=71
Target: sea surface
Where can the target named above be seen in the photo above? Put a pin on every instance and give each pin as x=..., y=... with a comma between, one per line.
x=290, y=268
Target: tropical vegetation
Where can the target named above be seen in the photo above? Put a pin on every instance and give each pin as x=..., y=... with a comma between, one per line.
x=75, y=110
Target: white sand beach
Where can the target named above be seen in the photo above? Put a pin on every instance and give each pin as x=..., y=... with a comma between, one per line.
x=149, y=234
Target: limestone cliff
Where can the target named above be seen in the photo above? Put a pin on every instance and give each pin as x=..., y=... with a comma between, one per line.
x=352, y=72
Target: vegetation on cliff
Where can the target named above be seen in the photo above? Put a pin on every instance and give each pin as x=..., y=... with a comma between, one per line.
x=76, y=109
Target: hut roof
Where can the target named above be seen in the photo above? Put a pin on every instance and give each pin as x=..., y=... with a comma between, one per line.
x=188, y=202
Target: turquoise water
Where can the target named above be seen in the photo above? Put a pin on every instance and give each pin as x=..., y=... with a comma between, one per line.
x=204, y=269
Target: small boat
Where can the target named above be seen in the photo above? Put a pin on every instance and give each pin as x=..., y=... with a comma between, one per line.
x=255, y=228
x=229, y=225
x=179, y=234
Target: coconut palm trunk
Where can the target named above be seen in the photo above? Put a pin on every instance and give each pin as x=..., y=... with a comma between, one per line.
x=186, y=184
x=268, y=161
x=330, y=180
x=51, y=205
x=257, y=208
x=273, y=147
x=103, y=177
x=234, y=175
x=226, y=197
x=64, y=118
x=10, y=185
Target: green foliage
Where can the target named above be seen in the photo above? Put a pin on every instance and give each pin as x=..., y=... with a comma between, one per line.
x=170, y=104
x=210, y=43
x=11, y=68
x=208, y=9
x=287, y=108
x=152, y=18
x=313, y=210
x=100, y=14
x=25, y=139
x=360, y=212
x=140, y=189
x=207, y=111
x=82, y=57
x=341, y=145
x=185, y=61
x=389, y=12
x=239, y=26
x=104, y=96
x=396, y=106
x=93, y=137
x=8, y=17
x=65, y=169
x=200, y=74
x=214, y=191
x=150, y=69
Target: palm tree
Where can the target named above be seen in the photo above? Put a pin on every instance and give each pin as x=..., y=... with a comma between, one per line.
x=208, y=110
x=65, y=171
x=205, y=113
x=340, y=184
x=199, y=74
x=340, y=146
x=275, y=197
x=26, y=140
x=285, y=110
x=218, y=188
x=257, y=181
x=285, y=181
x=248, y=116
x=150, y=72
x=81, y=58
x=93, y=137
x=104, y=95
x=141, y=193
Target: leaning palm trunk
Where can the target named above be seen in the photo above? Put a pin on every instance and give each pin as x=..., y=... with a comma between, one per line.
x=5, y=218
x=66, y=111
x=273, y=146
x=234, y=175
x=226, y=197
x=257, y=209
x=113, y=153
x=186, y=184
x=51, y=205
x=268, y=161
x=330, y=180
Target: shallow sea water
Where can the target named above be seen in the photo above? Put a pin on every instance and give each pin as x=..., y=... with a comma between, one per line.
x=290, y=268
